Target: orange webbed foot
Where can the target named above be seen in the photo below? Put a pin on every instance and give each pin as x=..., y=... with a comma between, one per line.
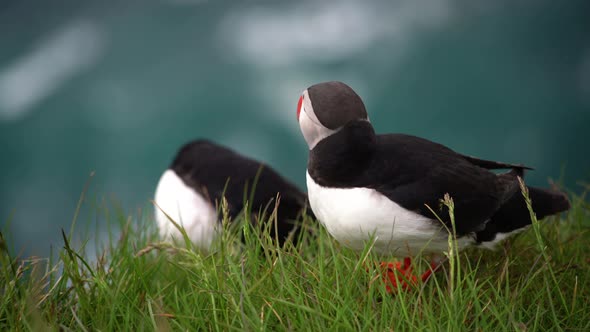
x=401, y=273
x=398, y=273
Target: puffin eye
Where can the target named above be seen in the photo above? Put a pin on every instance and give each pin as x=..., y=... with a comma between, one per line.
x=299, y=106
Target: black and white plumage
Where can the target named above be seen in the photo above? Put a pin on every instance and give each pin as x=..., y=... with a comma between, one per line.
x=361, y=184
x=202, y=172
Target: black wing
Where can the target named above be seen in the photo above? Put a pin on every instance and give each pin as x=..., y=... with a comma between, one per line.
x=417, y=173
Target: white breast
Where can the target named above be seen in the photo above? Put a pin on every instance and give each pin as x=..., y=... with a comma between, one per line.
x=187, y=208
x=352, y=216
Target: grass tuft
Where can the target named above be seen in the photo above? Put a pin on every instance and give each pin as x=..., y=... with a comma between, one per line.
x=538, y=280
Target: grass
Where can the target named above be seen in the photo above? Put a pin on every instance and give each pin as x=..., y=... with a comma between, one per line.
x=538, y=280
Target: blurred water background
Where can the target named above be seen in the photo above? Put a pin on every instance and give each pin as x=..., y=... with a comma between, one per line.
x=116, y=87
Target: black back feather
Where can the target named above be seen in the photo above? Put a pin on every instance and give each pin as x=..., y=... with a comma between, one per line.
x=215, y=172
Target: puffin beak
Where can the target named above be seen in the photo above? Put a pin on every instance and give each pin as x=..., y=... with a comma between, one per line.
x=299, y=106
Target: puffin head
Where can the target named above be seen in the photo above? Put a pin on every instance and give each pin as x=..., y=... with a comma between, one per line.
x=324, y=108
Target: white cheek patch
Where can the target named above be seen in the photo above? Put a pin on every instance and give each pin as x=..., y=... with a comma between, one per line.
x=306, y=105
x=312, y=129
x=312, y=132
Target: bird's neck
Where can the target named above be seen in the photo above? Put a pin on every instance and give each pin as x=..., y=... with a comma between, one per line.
x=340, y=159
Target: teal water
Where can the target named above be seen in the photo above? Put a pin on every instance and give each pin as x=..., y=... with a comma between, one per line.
x=116, y=87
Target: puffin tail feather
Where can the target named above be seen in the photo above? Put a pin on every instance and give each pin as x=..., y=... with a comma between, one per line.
x=548, y=202
x=514, y=214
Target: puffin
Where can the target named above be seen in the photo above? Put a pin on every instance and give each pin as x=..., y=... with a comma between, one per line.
x=203, y=173
x=388, y=188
